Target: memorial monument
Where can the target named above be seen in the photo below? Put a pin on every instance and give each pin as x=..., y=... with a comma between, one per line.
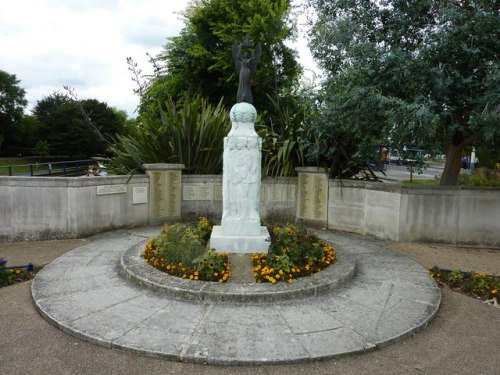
x=240, y=230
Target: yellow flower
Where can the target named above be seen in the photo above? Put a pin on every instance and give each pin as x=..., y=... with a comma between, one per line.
x=196, y=273
x=190, y=277
x=494, y=291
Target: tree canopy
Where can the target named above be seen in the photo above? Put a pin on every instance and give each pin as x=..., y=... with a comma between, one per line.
x=12, y=104
x=411, y=72
x=65, y=124
x=199, y=60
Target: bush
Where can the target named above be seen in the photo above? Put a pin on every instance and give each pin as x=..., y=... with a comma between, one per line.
x=189, y=131
x=480, y=178
x=180, y=250
x=6, y=276
x=478, y=285
x=294, y=252
x=10, y=276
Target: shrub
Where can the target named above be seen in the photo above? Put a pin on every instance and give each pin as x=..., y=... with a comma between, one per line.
x=6, y=277
x=294, y=252
x=478, y=285
x=180, y=250
x=480, y=178
x=189, y=131
x=10, y=276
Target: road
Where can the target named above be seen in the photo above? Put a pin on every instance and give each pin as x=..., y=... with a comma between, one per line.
x=400, y=173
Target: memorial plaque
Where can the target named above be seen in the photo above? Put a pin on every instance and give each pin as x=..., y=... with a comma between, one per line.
x=111, y=189
x=218, y=192
x=198, y=192
x=140, y=195
x=205, y=192
x=189, y=193
x=173, y=179
x=276, y=193
x=165, y=194
x=313, y=196
x=321, y=196
x=290, y=193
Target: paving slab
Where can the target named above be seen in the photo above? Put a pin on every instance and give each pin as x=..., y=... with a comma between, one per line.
x=84, y=293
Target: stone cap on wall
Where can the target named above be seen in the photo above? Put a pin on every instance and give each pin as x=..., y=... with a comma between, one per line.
x=312, y=170
x=163, y=167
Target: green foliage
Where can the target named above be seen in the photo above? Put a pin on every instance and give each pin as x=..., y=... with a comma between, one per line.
x=6, y=276
x=68, y=132
x=41, y=148
x=12, y=104
x=181, y=251
x=210, y=265
x=189, y=131
x=297, y=242
x=285, y=137
x=475, y=284
x=480, y=178
x=421, y=72
x=200, y=58
x=419, y=182
x=10, y=276
x=294, y=252
x=179, y=243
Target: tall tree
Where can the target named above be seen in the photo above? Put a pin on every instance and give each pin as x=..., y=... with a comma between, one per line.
x=67, y=129
x=199, y=60
x=425, y=71
x=12, y=104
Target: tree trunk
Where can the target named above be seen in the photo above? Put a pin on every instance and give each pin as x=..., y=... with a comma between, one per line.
x=452, y=165
x=453, y=159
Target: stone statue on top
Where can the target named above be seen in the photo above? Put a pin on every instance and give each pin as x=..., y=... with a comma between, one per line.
x=246, y=64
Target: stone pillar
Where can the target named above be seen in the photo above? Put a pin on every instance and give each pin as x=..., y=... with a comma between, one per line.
x=240, y=230
x=164, y=192
x=312, y=196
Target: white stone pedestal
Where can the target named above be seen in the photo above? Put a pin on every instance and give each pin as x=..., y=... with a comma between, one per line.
x=239, y=244
x=240, y=230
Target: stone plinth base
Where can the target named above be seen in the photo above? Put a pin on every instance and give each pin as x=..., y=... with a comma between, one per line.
x=240, y=228
x=239, y=244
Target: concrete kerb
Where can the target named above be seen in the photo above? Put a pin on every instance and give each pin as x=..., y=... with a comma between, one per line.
x=119, y=314
x=134, y=268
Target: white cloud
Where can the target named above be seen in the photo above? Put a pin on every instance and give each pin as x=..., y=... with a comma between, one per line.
x=85, y=43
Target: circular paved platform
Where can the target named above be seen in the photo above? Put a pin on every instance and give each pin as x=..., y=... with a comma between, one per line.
x=84, y=293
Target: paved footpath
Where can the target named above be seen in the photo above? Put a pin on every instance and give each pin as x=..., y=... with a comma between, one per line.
x=83, y=293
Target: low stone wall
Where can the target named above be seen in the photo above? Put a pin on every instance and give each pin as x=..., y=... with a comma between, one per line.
x=453, y=215
x=40, y=208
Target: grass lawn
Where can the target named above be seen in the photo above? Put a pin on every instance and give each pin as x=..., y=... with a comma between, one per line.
x=20, y=166
x=419, y=182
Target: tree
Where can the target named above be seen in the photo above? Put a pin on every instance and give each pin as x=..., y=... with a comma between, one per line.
x=12, y=104
x=65, y=125
x=199, y=60
x=425, y=71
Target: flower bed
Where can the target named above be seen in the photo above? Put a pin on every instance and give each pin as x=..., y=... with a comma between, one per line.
x=180, y=250
x=13, y=275
x=479, y=285
x=294, y=252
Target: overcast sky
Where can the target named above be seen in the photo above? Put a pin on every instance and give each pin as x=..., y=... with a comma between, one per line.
x=85, y=43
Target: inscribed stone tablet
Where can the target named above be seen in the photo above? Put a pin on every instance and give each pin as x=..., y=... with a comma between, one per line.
x=140, y=195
